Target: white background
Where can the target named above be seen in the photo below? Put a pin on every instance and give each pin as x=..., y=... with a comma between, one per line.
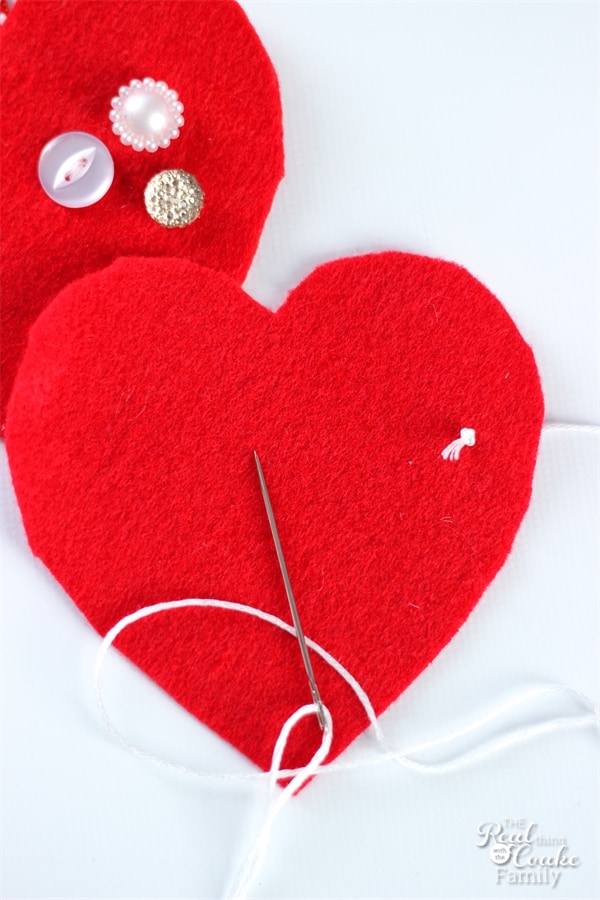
x=461, y=130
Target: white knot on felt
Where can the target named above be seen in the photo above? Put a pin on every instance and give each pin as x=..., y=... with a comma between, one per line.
x=466, y=439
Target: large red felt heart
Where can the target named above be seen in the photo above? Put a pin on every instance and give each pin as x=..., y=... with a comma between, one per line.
x=62, y=63
x=146, y=387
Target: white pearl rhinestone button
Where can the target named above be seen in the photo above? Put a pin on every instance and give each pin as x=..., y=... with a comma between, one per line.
x=75, y=169
x=146, y=115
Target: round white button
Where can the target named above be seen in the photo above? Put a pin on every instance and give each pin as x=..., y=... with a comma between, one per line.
x=75, y=169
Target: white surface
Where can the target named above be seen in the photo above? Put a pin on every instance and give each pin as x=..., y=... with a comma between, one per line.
x=461, y=130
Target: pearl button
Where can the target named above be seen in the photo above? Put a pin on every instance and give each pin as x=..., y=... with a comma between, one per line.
x=146, y=114
x=75, y=169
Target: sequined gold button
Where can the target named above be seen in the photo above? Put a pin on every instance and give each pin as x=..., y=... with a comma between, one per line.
x=173, y=198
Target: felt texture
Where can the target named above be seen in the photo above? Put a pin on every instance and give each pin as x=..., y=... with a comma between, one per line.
x=62, y=63
x=143, y=393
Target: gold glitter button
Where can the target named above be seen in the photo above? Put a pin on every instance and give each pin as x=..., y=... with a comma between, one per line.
x=173, y=198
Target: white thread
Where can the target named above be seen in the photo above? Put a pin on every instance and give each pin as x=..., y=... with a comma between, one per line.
x=466, y=439
x=254, y=859
x=252, y=864
x=156, y=608
x=467, y=436
x=400, y=756
x=566, y=426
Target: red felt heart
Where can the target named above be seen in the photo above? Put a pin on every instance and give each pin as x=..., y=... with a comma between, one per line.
x=62, y=63
x=146, y=387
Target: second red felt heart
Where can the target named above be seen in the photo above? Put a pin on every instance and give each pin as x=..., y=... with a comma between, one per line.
x=145, y=389
x=62, y=63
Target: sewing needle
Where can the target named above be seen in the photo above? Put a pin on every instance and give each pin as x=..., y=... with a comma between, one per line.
x=290, y=595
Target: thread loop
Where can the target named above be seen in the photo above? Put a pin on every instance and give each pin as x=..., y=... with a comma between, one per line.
x=299, y=777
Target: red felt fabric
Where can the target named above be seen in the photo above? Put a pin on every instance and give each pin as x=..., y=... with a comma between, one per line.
x=62, y=62
x=143, y=392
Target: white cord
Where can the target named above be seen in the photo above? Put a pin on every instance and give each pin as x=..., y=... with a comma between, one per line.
x=403, y=756
x=255, y=857
x=566, y=426
x=466, y=439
